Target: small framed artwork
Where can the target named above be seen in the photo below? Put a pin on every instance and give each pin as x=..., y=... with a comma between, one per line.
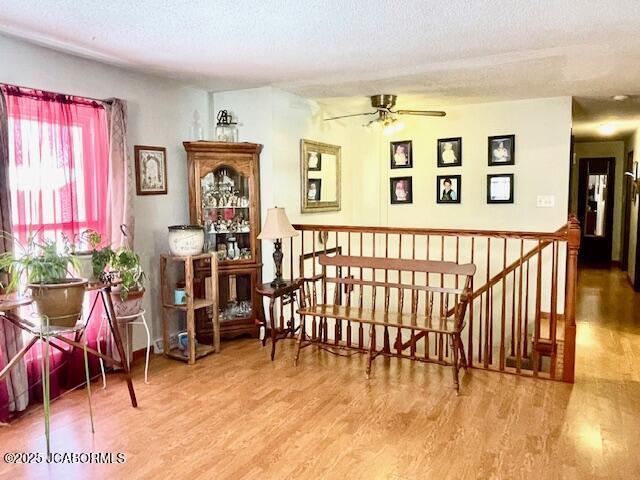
x=448, y=188
x=401, y=190
x=313, y=189
x=401, y=154
x=314, y=161
x=501, y=150
x=151, y=170
x=500, y=188
x=450, y=152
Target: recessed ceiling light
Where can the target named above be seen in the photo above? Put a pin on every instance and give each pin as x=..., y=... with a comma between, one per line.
x=606, y=129
x=620, y=98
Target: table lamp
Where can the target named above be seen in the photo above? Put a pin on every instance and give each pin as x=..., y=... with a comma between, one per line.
x=277, y=227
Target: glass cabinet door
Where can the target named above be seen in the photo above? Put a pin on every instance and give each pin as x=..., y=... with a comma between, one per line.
x=226, y=214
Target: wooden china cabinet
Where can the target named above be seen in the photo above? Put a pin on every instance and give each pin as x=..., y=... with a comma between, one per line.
x=224, y=197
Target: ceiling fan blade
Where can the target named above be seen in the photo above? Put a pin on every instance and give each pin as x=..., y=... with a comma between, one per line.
x=426, y=113
x=352, y=115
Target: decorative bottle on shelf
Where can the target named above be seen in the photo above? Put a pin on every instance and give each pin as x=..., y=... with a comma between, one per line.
x=231, y=249
x=226, y=128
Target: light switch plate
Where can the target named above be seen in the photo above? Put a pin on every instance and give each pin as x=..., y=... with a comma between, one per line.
x=545, y=201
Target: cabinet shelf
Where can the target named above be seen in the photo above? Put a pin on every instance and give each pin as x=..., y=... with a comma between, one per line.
x=197, y=304
x=202, y=350
x=220, y=207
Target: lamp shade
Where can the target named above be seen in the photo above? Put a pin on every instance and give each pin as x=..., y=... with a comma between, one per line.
x=277, y=225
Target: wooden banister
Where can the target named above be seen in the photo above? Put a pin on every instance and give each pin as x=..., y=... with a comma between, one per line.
x=571, y=287
x=504, y=322
x=560, y=234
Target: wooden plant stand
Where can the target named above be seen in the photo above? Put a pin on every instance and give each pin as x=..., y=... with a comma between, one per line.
x=193, y=304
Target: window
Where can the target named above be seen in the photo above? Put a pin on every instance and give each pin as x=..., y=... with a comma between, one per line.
x=58, y=153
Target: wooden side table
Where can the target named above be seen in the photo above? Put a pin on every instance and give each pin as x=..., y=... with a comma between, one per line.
x=287, y=295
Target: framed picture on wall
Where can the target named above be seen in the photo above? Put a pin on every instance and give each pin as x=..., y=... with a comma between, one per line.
x=500, y=188
x=401, y=190
x=313, y=189
x=448, y=188
x=401, y=154
x=151, y=170
x=501, y=150
x=314, y=161
x=450, y=152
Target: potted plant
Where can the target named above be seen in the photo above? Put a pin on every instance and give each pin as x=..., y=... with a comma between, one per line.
x=45, y=268
x=84, y=248
x=128, y=278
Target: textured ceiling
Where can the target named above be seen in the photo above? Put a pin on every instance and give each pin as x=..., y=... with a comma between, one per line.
x=441, y=51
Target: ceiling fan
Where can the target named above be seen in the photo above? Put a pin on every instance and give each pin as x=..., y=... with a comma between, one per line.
x=386, y=119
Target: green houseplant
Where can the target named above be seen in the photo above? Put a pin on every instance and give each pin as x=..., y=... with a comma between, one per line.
x=44, y=267
x=127, y=275
x=91, y=259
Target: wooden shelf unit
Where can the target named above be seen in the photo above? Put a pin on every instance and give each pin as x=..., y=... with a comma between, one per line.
x=193, y=304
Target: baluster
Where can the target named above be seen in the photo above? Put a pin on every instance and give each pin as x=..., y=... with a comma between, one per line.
x=503, y=326
x=373, y=307
x=526, y=313
x=386, y=347
x=414, y=299
x=487, y=335
x=338, y=288
x=513, y=315
x=360, y=288
x=316, y=325
x=426, y=303
x=440, y=336
x=471, y=309
x=536, y=327
x=519, y=332
x=480, y=324
x=553, y=318
x=348, y=289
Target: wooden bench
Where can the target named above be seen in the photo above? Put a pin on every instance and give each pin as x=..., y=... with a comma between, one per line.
x=433, y=308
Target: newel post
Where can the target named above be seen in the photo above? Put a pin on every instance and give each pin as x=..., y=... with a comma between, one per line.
x=573, y=245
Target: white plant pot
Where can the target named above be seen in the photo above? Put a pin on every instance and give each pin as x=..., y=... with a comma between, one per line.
x=186, y=240
x=85, y=269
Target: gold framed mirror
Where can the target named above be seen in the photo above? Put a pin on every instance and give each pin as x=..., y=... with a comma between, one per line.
x=320, y=176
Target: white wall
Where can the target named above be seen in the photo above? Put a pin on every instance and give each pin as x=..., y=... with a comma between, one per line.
x=160, y=114
x=602, y=150
x=542, y=136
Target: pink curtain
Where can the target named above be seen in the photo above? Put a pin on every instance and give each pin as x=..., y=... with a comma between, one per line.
x=121, y=179
x=59, y=177
x=13, y=391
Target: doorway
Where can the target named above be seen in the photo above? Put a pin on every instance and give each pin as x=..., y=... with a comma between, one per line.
x=596, y=183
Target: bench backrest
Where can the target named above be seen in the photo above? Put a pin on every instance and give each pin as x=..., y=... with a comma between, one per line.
x=435, y=298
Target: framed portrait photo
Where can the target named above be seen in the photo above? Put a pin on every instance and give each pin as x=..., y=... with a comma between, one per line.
x=314, y=161
x=314, y=187
x=151, y=170
x=502, y=150
x=401, y=154
x=450, y=152
x=500, y=188
x=448, y=188
x=401, y=190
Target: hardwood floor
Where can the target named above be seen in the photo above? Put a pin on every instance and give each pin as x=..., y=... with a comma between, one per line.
x=238, y=415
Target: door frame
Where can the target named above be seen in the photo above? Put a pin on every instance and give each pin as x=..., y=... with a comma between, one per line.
x=582, y=207
x=626, y=213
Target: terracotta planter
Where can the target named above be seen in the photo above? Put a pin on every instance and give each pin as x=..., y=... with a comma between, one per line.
x=131, y=306
x=60, y=302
